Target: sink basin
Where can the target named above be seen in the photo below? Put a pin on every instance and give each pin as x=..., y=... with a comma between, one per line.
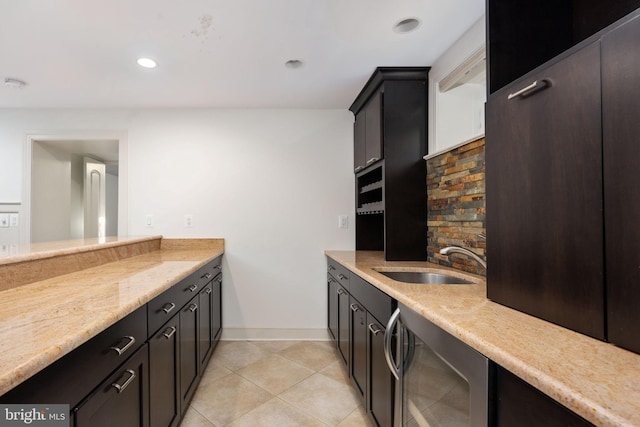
x=425, y=277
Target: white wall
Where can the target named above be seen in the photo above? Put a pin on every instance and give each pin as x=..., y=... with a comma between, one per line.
x=463, y=48
x=271, y=182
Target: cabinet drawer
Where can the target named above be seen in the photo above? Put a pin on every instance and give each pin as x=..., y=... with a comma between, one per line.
x=208, y=272
x=379, y=304
x=71, y=378
x=165, y=306
x=340, y=273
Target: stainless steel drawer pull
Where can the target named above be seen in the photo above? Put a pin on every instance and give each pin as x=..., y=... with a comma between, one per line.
x=373, y=159
x=206, y=276
x=340, y=291
x=119, y=350
x=375, y=329
x=331, y=267
x=358, y=169
x=168, y=333
x=342, y=277
x=168, y=307
x=220, y=279
x=218, y=267
x=208, y=291
x=122, y=387
x=193, y=307
x=193, y=288
x=355, y=307
x=529, y=90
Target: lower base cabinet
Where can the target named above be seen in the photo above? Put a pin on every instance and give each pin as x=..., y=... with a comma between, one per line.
x=122, y=399
x=520, y=404
x=381, y=383
x=164, y=370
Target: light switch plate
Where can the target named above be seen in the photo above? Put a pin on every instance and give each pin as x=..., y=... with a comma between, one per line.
x=4, y=220
x=343, y=221
x=14, y=220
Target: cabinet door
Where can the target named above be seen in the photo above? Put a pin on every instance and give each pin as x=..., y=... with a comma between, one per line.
x=164, y=374
x=122, y=399
x=343, y=324
x=520, y=404
x=205, y=327
x=189, y=358
x=373, y=131
x=621, y=110
x=544, y=195
x=381, y=384
x=359, y=141
x=358, y=346
x=216, y=311
x=332, y=309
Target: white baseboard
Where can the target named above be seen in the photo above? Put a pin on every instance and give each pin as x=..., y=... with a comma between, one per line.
x=247, y=334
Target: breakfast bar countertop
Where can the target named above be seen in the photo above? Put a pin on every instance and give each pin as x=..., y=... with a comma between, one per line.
x=77, y=289
x=597, y=380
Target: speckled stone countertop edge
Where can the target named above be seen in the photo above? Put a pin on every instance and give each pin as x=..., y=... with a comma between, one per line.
x=595, y=379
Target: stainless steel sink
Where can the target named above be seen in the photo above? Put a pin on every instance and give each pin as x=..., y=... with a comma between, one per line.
x=425, y=277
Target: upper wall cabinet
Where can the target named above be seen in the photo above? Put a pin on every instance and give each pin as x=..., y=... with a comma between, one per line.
x=390, y=140
x=523, y=35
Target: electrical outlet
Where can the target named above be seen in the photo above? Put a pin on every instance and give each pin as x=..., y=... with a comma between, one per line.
x=13, y=220
x=188, y=221
x=4, y=220
x=343, y=221
x=148, y=221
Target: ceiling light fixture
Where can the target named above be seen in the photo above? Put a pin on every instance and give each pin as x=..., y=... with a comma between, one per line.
x=147, y=63
x=293, y=64
x=14, y=83
x=406, y=25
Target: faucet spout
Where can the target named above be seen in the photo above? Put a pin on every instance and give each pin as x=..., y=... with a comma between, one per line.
x=457, y=249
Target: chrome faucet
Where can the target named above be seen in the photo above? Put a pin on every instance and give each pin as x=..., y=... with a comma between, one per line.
x=457, y=249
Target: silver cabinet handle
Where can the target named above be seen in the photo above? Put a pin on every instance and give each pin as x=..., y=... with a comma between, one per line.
x=168, y=333
x=126, y=347
x=340, y=291
x=358, y=169
x=342, y=277
x=206, y=276
x=193, y=288
x=373, y=159
x=331, y=267
x=208, y=291
x=193, y=307
x=168, y=307
x=528, y=90
x=122, y=387
x=375, y=329
x=355, y=307
x=219, y=279
x=218, y=267
x=388, y=335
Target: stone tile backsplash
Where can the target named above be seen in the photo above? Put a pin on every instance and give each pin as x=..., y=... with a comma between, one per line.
x=456, y=207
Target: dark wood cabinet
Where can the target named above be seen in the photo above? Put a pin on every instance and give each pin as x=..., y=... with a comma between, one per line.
x=205, y=326
x=381, y=383
x=621, y=151
x=332, y=307
x=544, y=194
x=164, y=375
x=344, y=329
x=122, y=399
x=358, y=365
x=189, y=357
x=522, y=36
x=216, y=309
x=390, y=137
x=520, y=404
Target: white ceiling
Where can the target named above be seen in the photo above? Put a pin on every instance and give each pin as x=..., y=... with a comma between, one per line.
x=214, y=53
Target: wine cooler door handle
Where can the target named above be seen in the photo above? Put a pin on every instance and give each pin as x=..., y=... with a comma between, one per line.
x=388, y=335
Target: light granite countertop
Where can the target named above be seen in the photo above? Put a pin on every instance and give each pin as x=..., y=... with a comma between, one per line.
x=597, y=380
x=80, y=288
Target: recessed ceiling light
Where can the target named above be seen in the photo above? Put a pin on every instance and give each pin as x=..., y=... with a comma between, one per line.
x=293, y=63
x=147, y=63
x=406, y=25
x=14, y=83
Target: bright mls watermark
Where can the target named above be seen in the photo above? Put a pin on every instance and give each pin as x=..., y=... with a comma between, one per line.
x=34, y=415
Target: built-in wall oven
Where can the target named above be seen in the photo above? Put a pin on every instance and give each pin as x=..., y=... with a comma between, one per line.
x=440, y=381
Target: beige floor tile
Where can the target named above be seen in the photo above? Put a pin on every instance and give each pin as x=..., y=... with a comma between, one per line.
x=212, y=373
x=275, y=373
x=193, y=419
x=312, y=354
x=236, y=355
x=273, y=346
x=228, y=398
x=337, y=371
x=358, y=418
x=323, y=398
x=276, y=413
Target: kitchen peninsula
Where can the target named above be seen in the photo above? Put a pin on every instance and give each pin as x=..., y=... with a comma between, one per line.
x=596, y=380
x=58, y=298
